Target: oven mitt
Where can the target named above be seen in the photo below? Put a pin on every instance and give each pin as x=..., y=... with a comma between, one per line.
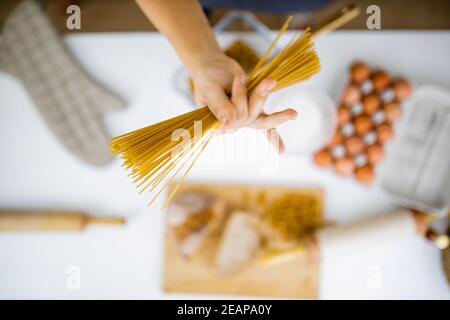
x=69, y=100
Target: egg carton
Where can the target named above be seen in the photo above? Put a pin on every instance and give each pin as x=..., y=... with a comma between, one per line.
x=369, y=107
x=417, y=171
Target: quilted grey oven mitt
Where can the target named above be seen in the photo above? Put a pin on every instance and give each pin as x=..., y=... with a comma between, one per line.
x=70, y=101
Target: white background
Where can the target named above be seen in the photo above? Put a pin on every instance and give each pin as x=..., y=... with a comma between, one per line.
x=126, y=262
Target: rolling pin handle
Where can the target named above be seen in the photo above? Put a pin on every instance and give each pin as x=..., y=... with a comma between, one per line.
x=102, y=220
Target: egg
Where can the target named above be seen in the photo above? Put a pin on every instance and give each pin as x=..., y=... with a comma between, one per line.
x=392, y=111
x=359, y=72
x=402, y=89
x=354, y=145
x=323, y=158
x=375, y=154
x=344, y=115
x=385, y=132
x=365, y=174
x=337, y=139
x=380, y=80
x=362, y=124
x=371, y=103
x=345, y=166
x=351, y=95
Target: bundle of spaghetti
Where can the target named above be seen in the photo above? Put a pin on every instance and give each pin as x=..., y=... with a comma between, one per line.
x=157, y=154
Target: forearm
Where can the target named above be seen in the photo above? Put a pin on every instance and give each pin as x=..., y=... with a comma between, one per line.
x=185, y=25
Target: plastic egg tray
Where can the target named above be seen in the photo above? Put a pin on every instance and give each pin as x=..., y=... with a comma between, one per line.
x=417, y=171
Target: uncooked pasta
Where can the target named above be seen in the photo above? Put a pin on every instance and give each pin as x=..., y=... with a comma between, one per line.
x=157, y=154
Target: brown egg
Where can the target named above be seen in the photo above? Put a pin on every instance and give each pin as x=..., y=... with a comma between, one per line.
x=375, y=154
x=362, y=124
x=344, y=115
x=385, y=132
x=354, y=145
x=351, y=95
x=392, y=111
x=337, y=139
x=371, y=103
x=345, y=166
x=359, y=72
x=402, y=89
x=380, y=80
x=365, y=174
x=323, y=158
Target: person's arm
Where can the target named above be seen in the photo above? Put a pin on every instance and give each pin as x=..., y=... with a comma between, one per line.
x=216, y=77
x=186, y=27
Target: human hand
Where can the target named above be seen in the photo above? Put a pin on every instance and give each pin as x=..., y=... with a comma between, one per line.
x=219, y=83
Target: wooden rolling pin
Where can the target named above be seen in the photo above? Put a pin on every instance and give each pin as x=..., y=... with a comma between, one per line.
x=47, y=220
x=339, y=240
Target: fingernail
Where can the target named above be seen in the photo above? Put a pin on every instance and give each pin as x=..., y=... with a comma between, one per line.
x=294, y=114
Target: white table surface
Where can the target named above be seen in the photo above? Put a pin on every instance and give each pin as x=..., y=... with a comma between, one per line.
x=36, y=171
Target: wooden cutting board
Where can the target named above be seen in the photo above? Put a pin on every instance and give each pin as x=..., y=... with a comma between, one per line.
x=298, y=278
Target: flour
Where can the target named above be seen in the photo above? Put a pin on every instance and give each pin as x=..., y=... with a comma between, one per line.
x=315, y=123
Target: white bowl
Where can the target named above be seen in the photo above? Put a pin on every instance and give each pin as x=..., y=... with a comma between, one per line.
x=316, y=118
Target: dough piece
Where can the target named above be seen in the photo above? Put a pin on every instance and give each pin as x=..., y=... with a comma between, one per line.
x=240, y=241
x=191, y=216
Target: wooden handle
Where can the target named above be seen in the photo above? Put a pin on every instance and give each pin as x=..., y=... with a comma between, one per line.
x=46, y=220
x=346, y=14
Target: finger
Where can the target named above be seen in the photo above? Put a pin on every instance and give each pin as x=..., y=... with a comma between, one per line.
x=258, y=98
x=273, y=120
x=199, y=101
x=275, y=140
x=239, y=99
x=221, y=106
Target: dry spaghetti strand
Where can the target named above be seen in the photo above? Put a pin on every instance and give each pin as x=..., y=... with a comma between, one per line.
x=155, y=155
